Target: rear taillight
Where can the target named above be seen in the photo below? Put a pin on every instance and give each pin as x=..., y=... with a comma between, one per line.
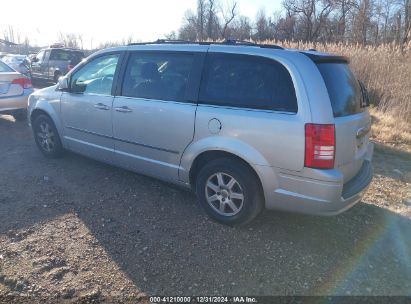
x=319, y=146
x=70, y=66
x=24, y=82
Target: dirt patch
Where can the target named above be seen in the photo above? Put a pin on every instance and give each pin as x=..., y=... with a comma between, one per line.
x=75, y=229
x=65, y=268
x=391, y=186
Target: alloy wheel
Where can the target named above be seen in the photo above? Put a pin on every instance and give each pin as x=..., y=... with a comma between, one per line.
x=46, y=137
x=224, y=194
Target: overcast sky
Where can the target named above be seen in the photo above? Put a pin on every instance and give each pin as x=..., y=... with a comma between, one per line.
x=100, y=21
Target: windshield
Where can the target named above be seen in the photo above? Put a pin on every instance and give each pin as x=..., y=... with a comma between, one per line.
x=343, y=88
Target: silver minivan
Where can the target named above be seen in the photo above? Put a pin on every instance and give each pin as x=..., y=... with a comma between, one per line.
x=246, y=126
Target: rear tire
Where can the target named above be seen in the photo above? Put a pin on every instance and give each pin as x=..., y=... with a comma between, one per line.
x=229, y=191
x=47, y=137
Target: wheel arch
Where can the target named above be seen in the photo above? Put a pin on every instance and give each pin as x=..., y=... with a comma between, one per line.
x=36, y=112
x=45, y=109
x=210, y=155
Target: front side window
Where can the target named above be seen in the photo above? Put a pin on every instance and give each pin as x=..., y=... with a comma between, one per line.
x=247, y=82
x=162, y=76
x=46, y=55
x=40, y=55
x=96, y=77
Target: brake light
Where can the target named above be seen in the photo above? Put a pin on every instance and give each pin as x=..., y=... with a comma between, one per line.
x=70, y=66
x=319, y=146
x=23, y=82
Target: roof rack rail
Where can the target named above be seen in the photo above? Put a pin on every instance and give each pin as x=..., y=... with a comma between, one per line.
x=250, y=43
x=171, y=41
x=239, y=42
x=225, y=42
x=271, y=46
x=163, y=41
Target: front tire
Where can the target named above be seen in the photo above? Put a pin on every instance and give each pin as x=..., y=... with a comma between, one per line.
x=47, y=137
x=229, y=191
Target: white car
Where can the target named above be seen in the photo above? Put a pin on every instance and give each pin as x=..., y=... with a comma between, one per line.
x=20, y=63
x=15, y=89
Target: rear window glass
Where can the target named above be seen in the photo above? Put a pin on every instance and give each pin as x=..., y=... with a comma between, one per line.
x=65, y=55
x=247, y=82
x=5, y=68
x=10, y=59
x=343, y=88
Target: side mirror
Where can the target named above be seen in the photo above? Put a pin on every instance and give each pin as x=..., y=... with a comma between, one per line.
x=62, y=84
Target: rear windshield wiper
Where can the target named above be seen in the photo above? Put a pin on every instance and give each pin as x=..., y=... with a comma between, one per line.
x=365, y=98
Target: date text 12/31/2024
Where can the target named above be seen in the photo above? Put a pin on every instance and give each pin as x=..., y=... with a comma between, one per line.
x=202, y=299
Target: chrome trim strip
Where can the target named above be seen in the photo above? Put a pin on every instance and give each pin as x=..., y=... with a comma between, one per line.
x=148, y=159
x=88, y=144
x=123, y=140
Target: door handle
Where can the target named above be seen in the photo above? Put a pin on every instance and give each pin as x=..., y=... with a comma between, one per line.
x=101, y=106
x=364, y=130
x=123, y=109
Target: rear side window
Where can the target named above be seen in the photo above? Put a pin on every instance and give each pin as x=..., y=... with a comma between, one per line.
x=343, y=88
x=161, y=76
x=247, y=82
x=65, y=55
x=5, y=68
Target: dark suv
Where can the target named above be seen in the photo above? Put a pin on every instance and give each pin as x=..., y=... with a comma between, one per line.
x=51, y=63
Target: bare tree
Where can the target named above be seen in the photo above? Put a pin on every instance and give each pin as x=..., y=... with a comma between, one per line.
x=70, y=39
x=407, y=21
x=201, y=19
x=284, y=26
x=343, y=8
x=313, y=15
x=262, y=26
x=171, y=36
x=188, y=30
x=362, y=21
x=229, y=15
x=241, y=29
x=212, y=20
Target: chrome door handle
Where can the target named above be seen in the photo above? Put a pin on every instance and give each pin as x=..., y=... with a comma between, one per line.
x=363, y=131
x=123, y=109
x=101, y=106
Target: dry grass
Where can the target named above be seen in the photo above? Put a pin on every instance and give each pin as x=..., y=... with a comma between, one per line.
x=390, y=130
x=386, y=71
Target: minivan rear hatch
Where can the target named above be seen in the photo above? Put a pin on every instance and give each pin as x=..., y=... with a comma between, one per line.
x=352, y=121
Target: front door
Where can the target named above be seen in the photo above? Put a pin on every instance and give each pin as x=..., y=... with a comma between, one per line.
x=153, y=119
x=37, y=65
x=86, y=108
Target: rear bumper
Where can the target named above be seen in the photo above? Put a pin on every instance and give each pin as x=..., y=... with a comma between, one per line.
x=15, y=102
x=320, y=197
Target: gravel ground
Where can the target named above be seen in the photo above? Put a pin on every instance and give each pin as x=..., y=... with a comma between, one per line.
x=79, y=229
